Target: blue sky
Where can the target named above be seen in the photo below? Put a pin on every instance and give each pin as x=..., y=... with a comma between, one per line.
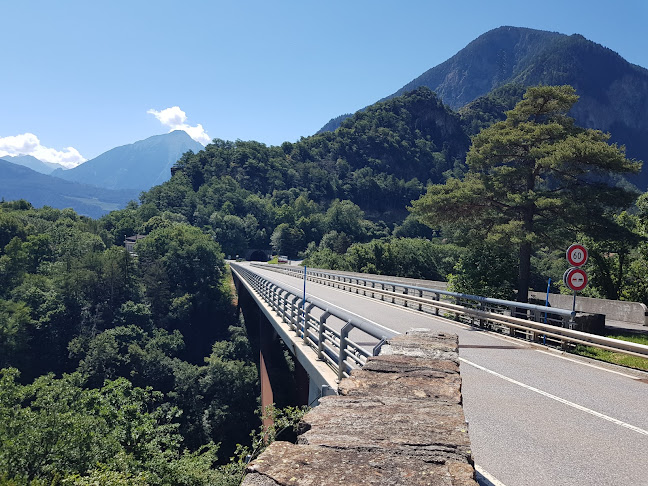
x=78, y=78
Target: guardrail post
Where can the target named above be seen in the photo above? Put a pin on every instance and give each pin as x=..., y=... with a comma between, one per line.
x=344, y=334
x=382, y=295
x=285, y=306
x=513, y=314
x=405, y=292
x=420, y=294
x=294, y=313
x=438, y=299
x=320, y=338
x=393, y=292
x=378, y=347
x=305, y=332
x=373, y=286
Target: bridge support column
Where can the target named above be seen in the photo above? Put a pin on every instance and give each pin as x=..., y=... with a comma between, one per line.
x=302, y=383
x=266, y=338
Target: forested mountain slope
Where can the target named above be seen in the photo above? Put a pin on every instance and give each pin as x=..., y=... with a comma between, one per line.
x=18, y=182
x=354, y=183
x=613, y=93
x=33, y=163
x=116, y=366
x=380, y=159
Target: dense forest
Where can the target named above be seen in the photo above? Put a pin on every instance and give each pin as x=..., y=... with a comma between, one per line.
x=117, y=368
x=135, y=369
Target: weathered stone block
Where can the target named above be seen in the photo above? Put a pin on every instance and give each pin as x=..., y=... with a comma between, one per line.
x=397, y=421
x=406, y=376
x=286, y=464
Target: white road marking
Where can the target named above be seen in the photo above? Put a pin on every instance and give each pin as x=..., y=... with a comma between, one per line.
x=558, y=399
x=488, y=477
x=587, y=364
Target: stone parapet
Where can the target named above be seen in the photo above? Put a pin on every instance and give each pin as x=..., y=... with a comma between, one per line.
x=398, y=421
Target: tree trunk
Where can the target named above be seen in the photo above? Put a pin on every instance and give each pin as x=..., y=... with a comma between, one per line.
x=524, y=273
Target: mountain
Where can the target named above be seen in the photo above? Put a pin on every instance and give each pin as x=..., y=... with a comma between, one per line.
x=18, y=182
x=139, y=165
x=380, y=159
x=613, y=93
x=33, y=163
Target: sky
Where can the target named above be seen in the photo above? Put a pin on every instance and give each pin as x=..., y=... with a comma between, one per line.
x=78, y=78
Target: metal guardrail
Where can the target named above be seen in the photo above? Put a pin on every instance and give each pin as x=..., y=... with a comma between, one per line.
x=517, y=319
x=309, y=319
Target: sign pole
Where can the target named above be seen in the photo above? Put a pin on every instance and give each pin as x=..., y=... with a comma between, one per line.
x=544, y=336
x=547, y=300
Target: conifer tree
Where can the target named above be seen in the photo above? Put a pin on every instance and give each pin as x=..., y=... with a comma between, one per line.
x=535, y=178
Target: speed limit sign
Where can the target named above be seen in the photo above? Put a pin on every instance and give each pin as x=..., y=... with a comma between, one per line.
x=577, y=255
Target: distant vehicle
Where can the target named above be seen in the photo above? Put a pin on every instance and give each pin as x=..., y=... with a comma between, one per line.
x=282, y=259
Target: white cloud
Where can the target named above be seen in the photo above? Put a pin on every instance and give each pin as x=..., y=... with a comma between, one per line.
x=175, y=119
x=29, y=144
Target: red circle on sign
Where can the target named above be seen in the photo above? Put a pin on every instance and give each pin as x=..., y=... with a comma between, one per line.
x=576, y=279
x=577, y=255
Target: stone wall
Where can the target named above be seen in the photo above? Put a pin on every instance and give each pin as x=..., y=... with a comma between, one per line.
x=398, y=421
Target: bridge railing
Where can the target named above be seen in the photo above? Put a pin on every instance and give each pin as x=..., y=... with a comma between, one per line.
x=311, y=320
x=532, y=322
x=409, y=295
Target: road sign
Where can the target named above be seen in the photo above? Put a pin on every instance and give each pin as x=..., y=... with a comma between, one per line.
x=577, y=255
x=575, y=279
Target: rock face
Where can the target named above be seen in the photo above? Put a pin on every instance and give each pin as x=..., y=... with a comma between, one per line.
x=397, y=421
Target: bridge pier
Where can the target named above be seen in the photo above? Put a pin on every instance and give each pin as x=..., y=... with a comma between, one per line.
x=265, y=363
x=298, y=380
x=283, y=381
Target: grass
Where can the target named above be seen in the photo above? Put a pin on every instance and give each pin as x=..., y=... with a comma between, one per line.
x=617, y=358
x=274, y=260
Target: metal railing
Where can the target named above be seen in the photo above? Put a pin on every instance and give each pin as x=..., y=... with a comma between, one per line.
x=532, y=322
x=311, y=320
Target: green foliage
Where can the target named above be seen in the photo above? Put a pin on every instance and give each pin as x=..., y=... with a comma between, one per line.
x=248, y=195
x=182, y=270
x=15, y=323
x=281, y=423
x=489, y=269
x=534, y=178
x=55, y=429
x=404, y=257
x=490, y=108
x=130, y=411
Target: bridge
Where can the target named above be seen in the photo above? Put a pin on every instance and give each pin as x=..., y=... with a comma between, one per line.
x=536, y=414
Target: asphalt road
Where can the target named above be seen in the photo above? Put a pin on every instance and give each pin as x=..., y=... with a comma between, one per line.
x=535, y=417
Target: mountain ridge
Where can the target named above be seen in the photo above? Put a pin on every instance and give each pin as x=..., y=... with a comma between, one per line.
x=139, y=165
x=613, y=92
x=32, y=163
x=19, y=182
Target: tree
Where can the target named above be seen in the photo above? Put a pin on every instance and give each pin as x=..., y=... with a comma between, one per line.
x=185, y=266
x=287, y=240
x=534, y=177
